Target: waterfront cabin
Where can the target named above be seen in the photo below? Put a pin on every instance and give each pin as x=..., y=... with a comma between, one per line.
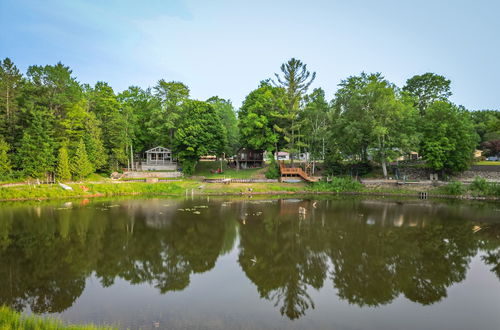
x=159, y=159
x=249, y=158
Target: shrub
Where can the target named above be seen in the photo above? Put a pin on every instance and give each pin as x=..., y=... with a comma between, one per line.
x=338, y=184
x=479, y=185
x=454, y=188
x=273, y=171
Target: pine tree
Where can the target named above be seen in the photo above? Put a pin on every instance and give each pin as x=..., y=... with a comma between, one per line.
x=10, y=88
x=63, y=172
x=35, y=156
x=5, y=166
x=94, y=143
x=80, y=164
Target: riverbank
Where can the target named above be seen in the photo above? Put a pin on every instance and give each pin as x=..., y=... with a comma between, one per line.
x=10, y=319
x=476, y=191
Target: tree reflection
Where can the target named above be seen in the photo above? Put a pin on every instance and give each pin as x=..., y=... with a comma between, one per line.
x=282, y=256
x=373, y=251
x=47, y=254
x=377, y=251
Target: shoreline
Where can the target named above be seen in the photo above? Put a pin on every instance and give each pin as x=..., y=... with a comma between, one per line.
x=195, y=188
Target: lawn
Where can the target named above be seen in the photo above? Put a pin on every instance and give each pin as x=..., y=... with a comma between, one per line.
x=486, y=162
x=205, y=168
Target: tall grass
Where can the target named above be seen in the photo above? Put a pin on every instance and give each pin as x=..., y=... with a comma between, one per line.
x=338, y=184
x=482, y=187
x=11, y=320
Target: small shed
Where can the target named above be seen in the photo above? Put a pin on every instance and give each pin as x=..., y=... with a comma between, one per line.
x=249, y=158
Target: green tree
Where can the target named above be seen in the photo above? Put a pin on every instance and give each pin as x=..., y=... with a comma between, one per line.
x=80, y=164
x=35, y=156
x=143, y=105
x=371, y=117
x=296, y=80
x=427, y=88
x=258, y=116
x=5, y=165
x=227, y=116
x=448, y=137
x=63, y=172
x=104, y=103
x=199, y=133
x=10, y=89
x=314, y=124
x=164, y=119
x=94, y=143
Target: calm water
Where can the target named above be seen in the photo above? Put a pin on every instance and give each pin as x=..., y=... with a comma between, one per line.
x=196, y=264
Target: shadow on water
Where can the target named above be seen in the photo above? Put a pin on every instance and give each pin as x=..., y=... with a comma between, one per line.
x=370, y=250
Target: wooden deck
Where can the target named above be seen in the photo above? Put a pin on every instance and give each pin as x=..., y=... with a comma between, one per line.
x=295, y=171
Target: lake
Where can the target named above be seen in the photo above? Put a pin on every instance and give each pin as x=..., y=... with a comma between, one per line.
x=213, y=263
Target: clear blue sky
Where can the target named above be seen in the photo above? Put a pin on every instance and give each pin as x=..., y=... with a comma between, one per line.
x=225, y=48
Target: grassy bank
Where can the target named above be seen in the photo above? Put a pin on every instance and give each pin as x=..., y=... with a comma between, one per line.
x=11, y=320
x=478, y=189
x=177, y=188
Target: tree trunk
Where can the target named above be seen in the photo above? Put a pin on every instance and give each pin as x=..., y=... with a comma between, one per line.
x=384, y=168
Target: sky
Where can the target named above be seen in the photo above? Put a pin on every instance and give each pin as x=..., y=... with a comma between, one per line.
x=226, y=48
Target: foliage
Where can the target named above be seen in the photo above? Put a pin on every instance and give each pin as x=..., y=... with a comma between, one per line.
x=10, y=89
x=63, y=172
x=80, y=164
x=164, y=119
x=314, y=123
x=482, y=187
x=454, y=188
x=448, y=137
x=258, y=117
x=370, y=117
x=5, y=165
x=104, y=103
x=427, y=89
x=492, y=148
x=338, y=184
x=199, y=133
x=273, y=170
x=295, y=80
x=227, y=116
x=10, y=319
x=36, y=151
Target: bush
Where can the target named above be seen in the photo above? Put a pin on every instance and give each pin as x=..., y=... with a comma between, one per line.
x=337, y=168
x=273, y=171
x=454, y=188
x=479, y=185
x=338, y=184
x=482, y=187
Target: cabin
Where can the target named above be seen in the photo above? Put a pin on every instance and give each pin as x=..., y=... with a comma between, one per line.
x=159, y=159
x=249, y=158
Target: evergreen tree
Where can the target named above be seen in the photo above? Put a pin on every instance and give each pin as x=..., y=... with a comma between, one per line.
x=94, y=144
x=63, y=172
x=10, y=88
x=104, y=104
x=80, y=164
x=5, y=166
x=296, y=81
x=35, y=156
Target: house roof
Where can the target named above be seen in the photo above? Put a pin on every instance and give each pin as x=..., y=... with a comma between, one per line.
x=157, y=150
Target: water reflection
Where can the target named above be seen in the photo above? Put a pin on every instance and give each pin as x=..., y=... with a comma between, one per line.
x=371, y=251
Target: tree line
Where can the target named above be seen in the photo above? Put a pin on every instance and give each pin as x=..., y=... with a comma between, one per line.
x=53, y=125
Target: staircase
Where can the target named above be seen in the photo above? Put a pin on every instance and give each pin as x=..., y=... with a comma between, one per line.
x=295, y=171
